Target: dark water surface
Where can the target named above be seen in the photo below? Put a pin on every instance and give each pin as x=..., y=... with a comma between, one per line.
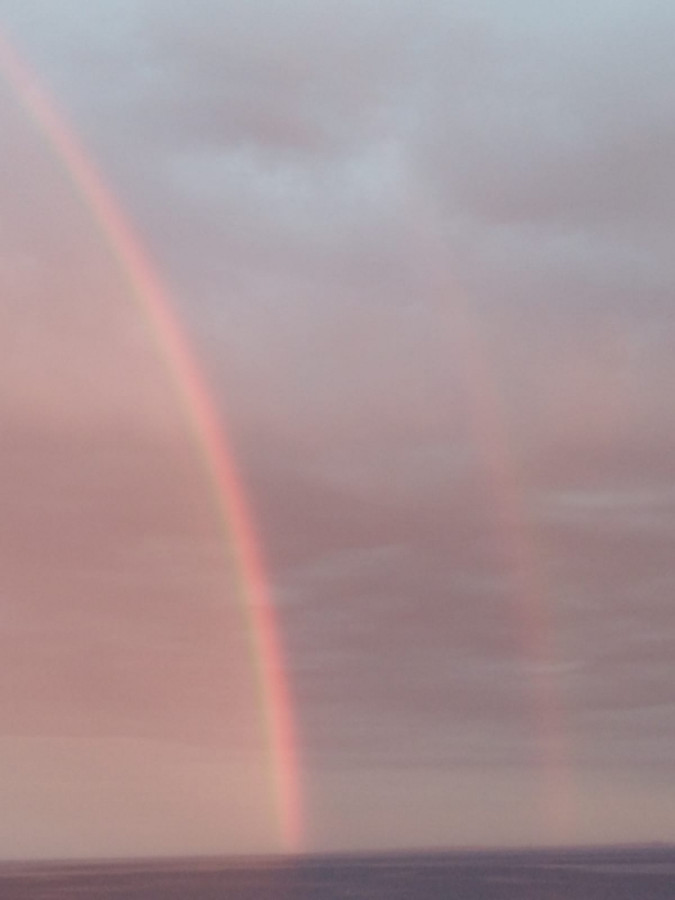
x=626, y=874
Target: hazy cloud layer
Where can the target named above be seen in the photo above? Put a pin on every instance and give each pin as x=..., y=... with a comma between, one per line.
x=425, y=253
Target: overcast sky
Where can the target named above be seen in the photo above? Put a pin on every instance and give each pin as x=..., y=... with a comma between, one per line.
x=423, y=251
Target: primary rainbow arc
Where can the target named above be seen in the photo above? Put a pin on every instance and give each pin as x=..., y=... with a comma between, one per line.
x=205, y=422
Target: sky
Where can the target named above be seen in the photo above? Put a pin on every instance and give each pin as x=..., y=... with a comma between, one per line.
x=422, y=252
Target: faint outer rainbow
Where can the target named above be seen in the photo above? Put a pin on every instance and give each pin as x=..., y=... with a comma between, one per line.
x=518, y=546
x=521, y=557
x=204, y=420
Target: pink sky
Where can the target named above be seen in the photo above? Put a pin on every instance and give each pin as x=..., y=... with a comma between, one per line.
x=423, y=255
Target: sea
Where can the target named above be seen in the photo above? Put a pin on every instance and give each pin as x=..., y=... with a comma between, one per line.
x=627, y=873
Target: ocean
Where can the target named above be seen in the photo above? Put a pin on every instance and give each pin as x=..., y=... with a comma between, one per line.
x=646, y=873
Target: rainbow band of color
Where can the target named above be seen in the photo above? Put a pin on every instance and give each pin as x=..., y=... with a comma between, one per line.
x=520, y=556
x=204, y=421
x=521, y=560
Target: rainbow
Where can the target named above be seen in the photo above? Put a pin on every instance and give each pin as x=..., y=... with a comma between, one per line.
x=520, y=557
x=204, y=421
x=518, y=544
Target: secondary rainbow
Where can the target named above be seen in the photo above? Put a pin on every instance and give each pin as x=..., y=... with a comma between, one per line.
x=517, y=541
x=521, y=559
x=205, y=423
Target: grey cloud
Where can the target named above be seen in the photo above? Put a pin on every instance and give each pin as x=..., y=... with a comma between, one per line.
x=326, y=186
x=568, y=117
